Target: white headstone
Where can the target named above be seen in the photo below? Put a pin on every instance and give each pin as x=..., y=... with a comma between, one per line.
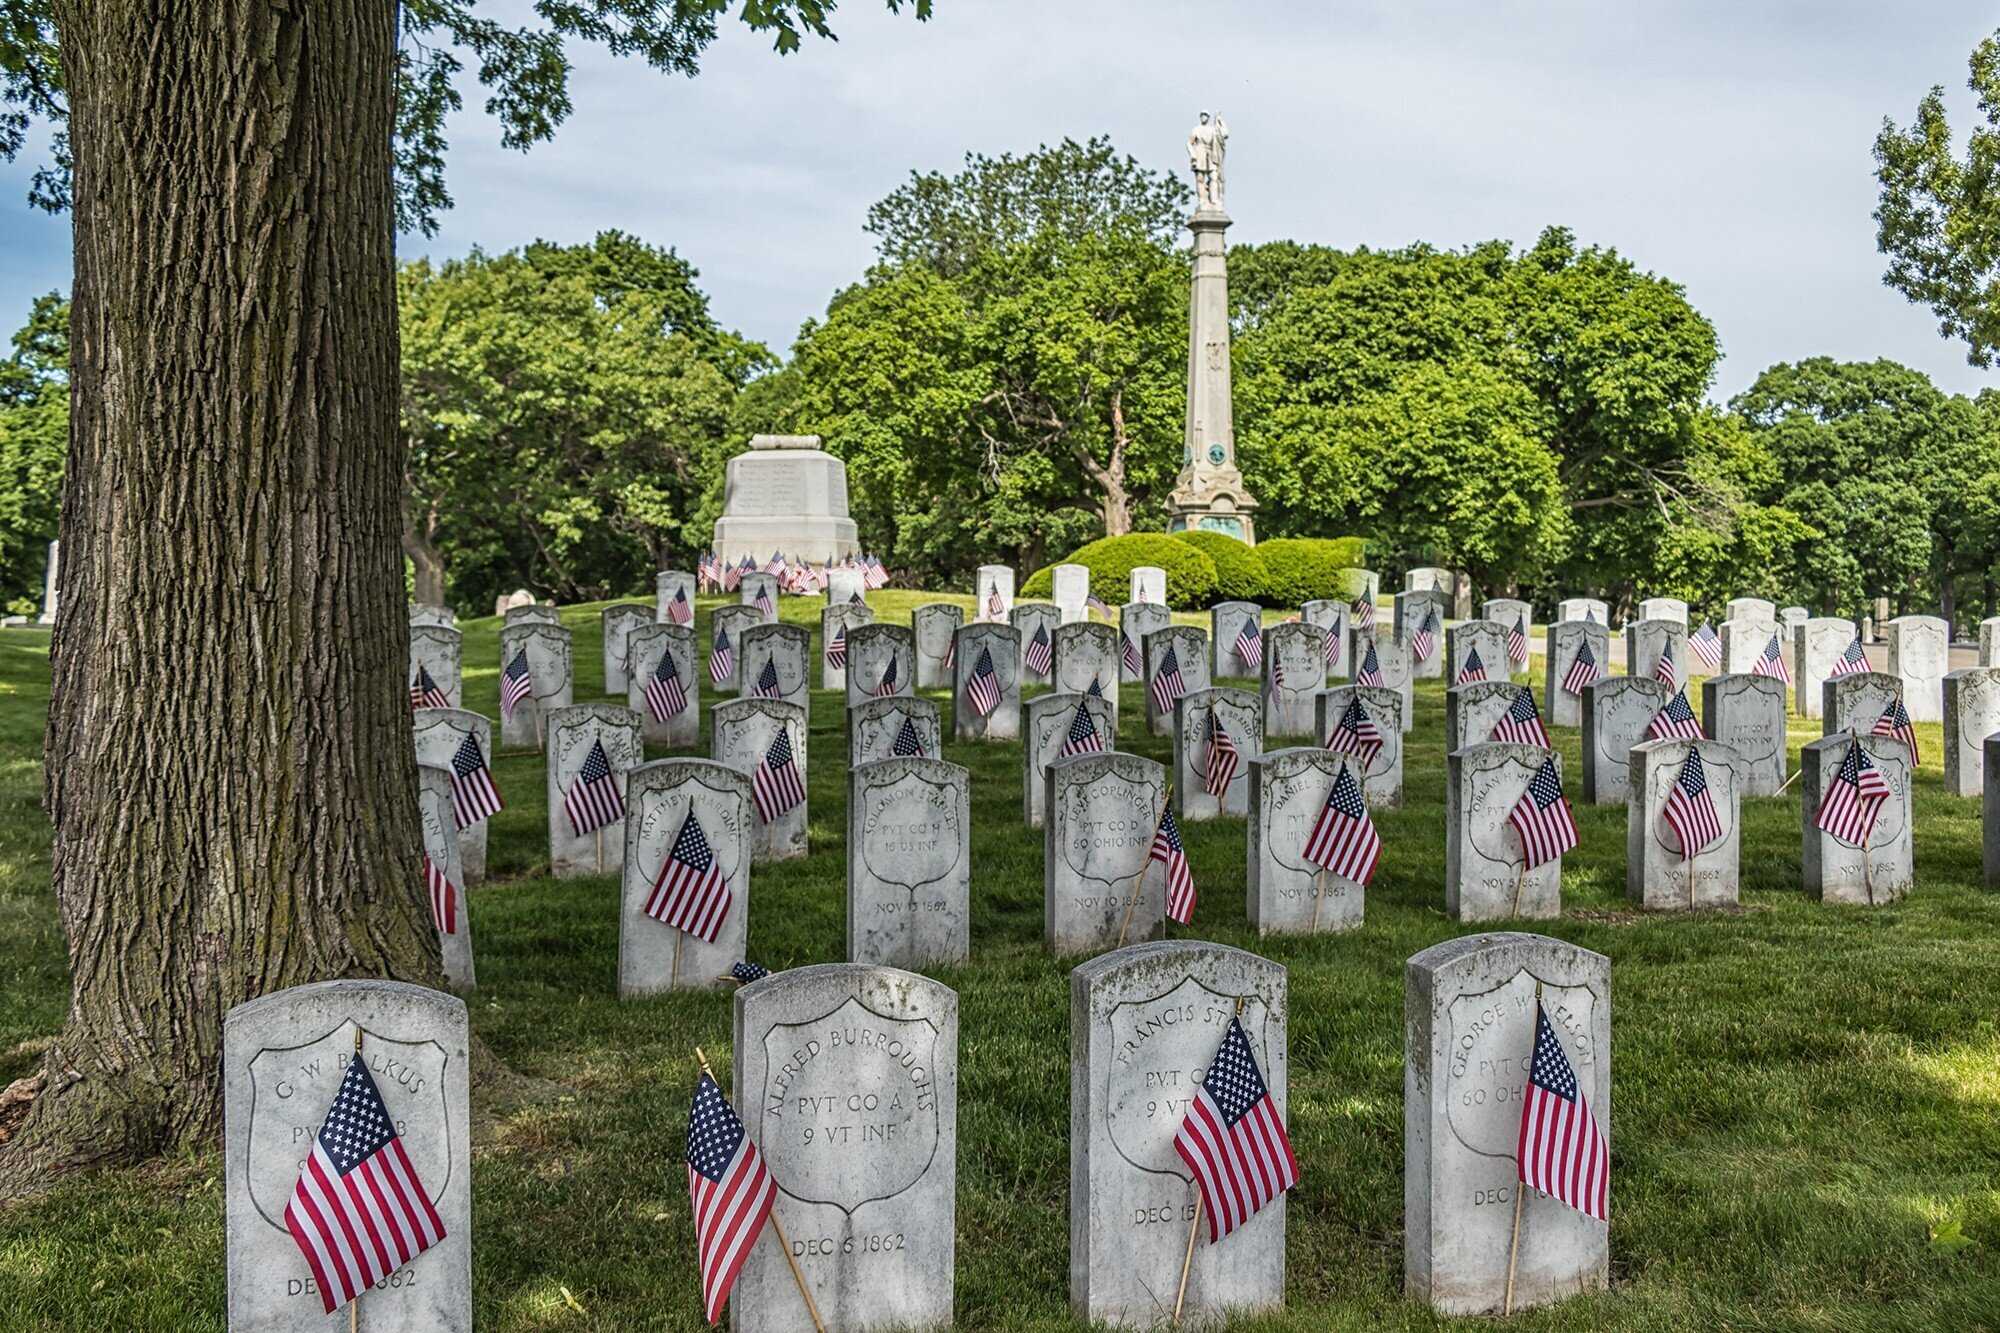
x=993, y=587
x=1792, y=616
x=843, y=582
x=440, y=830
x=837, y=620
x=644, y=649
x=1659, y=875
x=981, y=647
x=1045, y=727
x=1484, y=875
x=1135, y=621
x=1856, y=700
x=909, y=863
x=572, y=732
x=787, y=650
x=1486, y=637
x=881, y=660
x=785, y=492
x=874, y=724
x=933, y=625
x=439, y=733
x=1072, y=586
x=743, y=732
x=1751, y=608
x=1430, y=578
x=51, y=584
x=1567, y=638
x=541, y=613
x=1189, y=647
x=1989, y=642
x=1664, y=608
x=1226, y=622
x=1149, y=584
x=550, y=676
x=439, y=649
x=1293, y=676
x=1971, y=714
x=1239, y=714
x=1744, y=642
x=757, y=582
x=666, y=585
x=1333, y=618
x=1284, y=892
x=1392, y=662
x=1920, y=653
x=1583, y=608
x=1356, y=583
x=1145, y=1024
x=1834, y=870
x=1616, y=713
x=1087, y=653
x=732, y=621
x=1382, y=780
x=1098, y=879
x=1647, y=641
x=432, y=615
x=1470, y=711
x=1468, y=1033
x=1747, y=713
x=1415, y=610
x=1518, y=617
x=1035, y=619
x=616, y=623
x=652, y=955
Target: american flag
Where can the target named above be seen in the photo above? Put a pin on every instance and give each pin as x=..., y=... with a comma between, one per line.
x=745, y=972
x=1522, y=723
x=995, y=609
x=1363, y=611
x=704, y=570
x=359, y=1212
x=721, y=658
x=1851, y=801
x=874, y=573
x=515, y=684
x=767, y=681
x=1472, y=670
x=1083, y=737
x=982, y=687
x=1690, y=809
x=908, y=744
x=887, y=685
x=1852, y=662
x=1128, y=655
x=763, y=601
x=1772, y=662
x=1706, y=644
x=593, y=799
x=1096, y=690
x=1562, y=1151
x=1542, y=817
x=1370, y=670
x=855, y=599
x=473, y=795
x=1167, y=684
x=1583, y=669
x=1356, y=734
x=950, y=653
x=1040, y=655
x=1424, y=642
x=729, y=1190
x=1330, y=647
x=1219, y=769
x=1343, y=840
x=836, y=647
x=680, y=610
x=776, y=564
x=690, y=893
x=443, y=895
x=1895, y=721
x=1517, y=642
x=665, y=695
x=425, y=692
x=1675, y=721
x=1249, y=645
x=776, y=783
x=1167, y=850
x=1663, y=668
x=1233, y=1138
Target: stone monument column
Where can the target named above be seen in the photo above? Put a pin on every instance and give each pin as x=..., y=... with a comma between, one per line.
x=1209, y=492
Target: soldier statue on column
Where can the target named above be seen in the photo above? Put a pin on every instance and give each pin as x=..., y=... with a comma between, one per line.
x=1206, y=145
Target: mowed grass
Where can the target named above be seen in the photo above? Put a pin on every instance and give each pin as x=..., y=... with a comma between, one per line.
x=1803, y=1094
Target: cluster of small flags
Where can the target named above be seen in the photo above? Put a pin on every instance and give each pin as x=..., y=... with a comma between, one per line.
x=795, y=576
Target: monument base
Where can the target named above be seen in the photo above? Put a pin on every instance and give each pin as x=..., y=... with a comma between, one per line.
x=813, y=539
x=786, y=494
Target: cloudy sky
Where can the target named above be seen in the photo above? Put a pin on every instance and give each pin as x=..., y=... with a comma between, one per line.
x=1722, y=144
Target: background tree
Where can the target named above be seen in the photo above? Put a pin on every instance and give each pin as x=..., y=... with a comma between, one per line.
x=34, y=432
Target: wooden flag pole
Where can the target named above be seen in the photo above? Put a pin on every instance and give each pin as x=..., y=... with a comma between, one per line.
x=784, y=1243
x=674, y=975
x=1139, y=880
x=1520, y=1186
x=1867, y=876
x=1187, y=1260
x=354, y=1306
x=1520, y=878
x=1319, y=896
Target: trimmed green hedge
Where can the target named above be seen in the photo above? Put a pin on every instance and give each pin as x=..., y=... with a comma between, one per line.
x=1191, y=576
x=1239, y=570
x=1301, y=569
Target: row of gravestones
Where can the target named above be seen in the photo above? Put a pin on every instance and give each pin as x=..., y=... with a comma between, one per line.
x=846, y=1077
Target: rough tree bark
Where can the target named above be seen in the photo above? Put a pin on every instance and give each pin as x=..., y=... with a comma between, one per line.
x=228, y=750
x=1114, y=502
x=427, y=562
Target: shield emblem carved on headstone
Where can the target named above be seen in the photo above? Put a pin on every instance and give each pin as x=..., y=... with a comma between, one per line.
x=292, y=1087
x=1160, y=1050
x=909, y=831
x=1108, y=826
x=1492, y=1037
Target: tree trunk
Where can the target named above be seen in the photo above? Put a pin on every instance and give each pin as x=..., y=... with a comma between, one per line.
x=1113, y=501
x=229, y=762
x=426, y=559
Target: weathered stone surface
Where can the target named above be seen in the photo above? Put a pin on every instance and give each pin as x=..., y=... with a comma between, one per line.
x=1793, y=616
x=1616, y=713
x=1149, y=585
x=1225, y=621
x=1430, y=578
x=1566, y=637
x=1469, y=1029
x=785, y=491
x=653, y=956
x=933, y=625
x=549, y=669
x=994, y=584
x=909, y=862
x=1971, y=714
x=1920, y=653
x=643, y=651
x=539, y=613
x=847, y=1078
x=1834, y=871
x=1145, y=1023
x=1002, y=644
x=733, y=621
x=1855, y=700
x=440, y=830
x=1072, y=586
x=833, y=619
x=1294, y=674
x=1240, y=714
x=1489, y=637
x=1393, y=660
x=1135, y=621
x=1664, y=608
x=666, y=583
x=1333, y=618
x=1747, y=713
x=1383, y=778
x=616, y=623
x=1412, y=609
x=438, y=649
x=1044, y=728
x=788, y=648
x=1284, y=893
x=1087, y=651
x=757, y=581
x=1658, y=876
x=1098, y=882
x=1989, y=810
x=874, y=724
x=1483, y=875
x=1471, y=710
x=1647, y=641
x=422, y=613
x=1751, y=608
x=1190, y=649
x=1989, y=642
x=283, y=1058
x=439, y=732
x=1743, y=643
x=843, y=582
x=571, y=731
x=1583, y=608
x=1028, y=618
x=1513, y=613
x=743, y=732
x=870, y=650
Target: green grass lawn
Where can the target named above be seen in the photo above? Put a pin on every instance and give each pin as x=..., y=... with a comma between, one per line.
x=1803, y=1094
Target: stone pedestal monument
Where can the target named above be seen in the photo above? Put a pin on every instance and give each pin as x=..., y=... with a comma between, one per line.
x=785, y=494
x=1209, y=493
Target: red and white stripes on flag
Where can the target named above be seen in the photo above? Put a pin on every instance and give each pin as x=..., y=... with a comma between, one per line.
x=1249, y=645
x=359, y=1211
x=516, y=684
x=1219, y=767
x=425, y=692
x=1330, y=647
x=1424, y=642
x=1355, y=733
x=729, y=1190
x=982, y=687
x=1362, y=609
x=473, y=795
x=665, y=695
x=1690, y=809
x=775, y=784
x=1517, y=643
x=1471, y=671
x=721, y=659
x=1853, y=798
x=1167, y=685
x=443, y=895
x=1675, y=721
x=1663, y=669
x=1706, y=644
x=1343, y=839
x=680, y=611
x=593, y=799
x=1128, y=655
x=1853, y=661
x=1771, y=662
x=1542, y=817
x=690, y=892
x=1895, y=722
x=1583, y=669
x=1172, y=856
x=1040, y=652
x=836, y=647
x=1561, y=1150
x=1522, y=723
x=1233, y=1138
